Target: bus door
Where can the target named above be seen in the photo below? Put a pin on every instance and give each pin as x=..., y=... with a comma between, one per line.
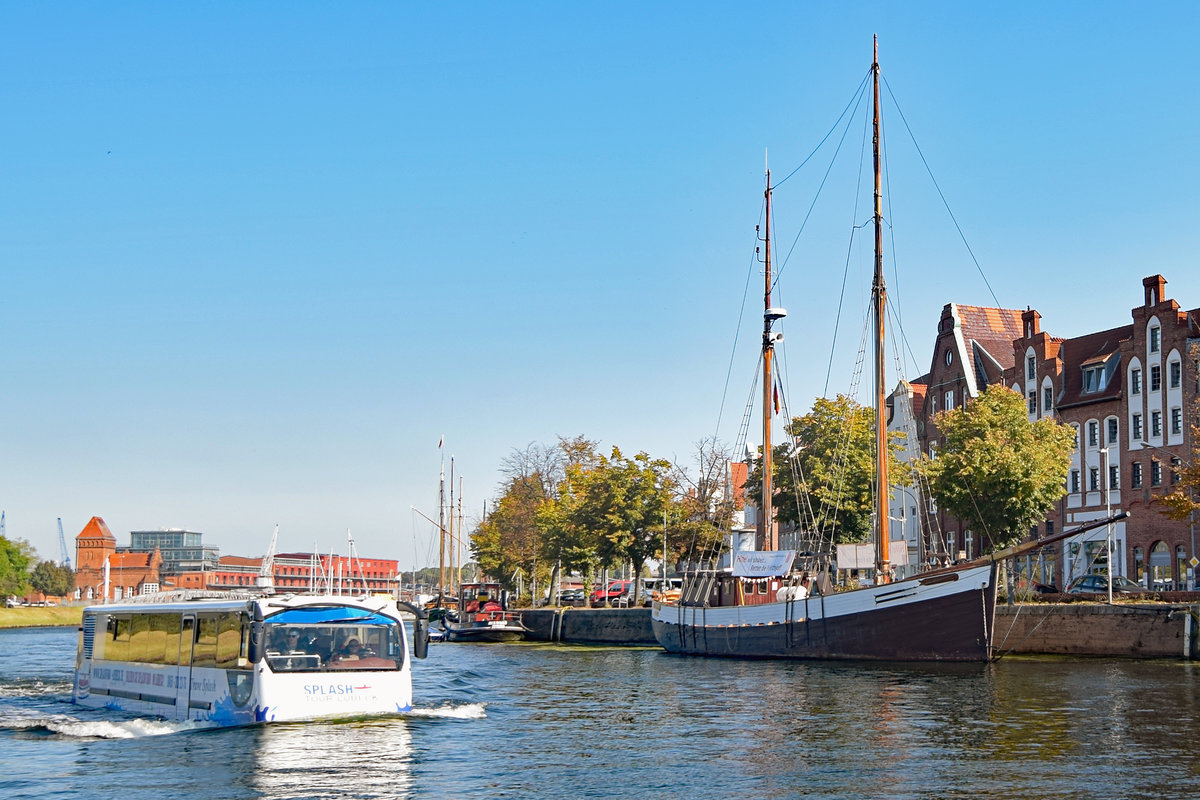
x=183, y=676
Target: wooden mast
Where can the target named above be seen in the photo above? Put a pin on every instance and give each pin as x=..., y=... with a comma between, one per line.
x=768, y=538
x=879, y=302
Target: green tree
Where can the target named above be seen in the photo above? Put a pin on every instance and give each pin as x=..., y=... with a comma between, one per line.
x=621, y=502
x=825, y=480
x=15, y=555
x=508, y=541
x=996, y=470
x=52, y=580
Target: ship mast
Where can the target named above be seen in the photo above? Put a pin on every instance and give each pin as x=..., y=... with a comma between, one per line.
x=879, y=302
x=770, y=537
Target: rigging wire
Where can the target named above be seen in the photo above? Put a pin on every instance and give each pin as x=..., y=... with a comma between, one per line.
x=857, y=94
x=941, y=195
x=854, y=228
x=737, y=335
x=832, y=160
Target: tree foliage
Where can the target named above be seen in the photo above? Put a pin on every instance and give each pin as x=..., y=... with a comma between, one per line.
x=15, y=556
x=52, y=580
x=825, y=481
x=1184, y=498
x=996, y=470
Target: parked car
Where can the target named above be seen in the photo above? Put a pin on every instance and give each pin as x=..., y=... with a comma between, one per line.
x=1098, y=584
x=572, y=597
x=610, y=595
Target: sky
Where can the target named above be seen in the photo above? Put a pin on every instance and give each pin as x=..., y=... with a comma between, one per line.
x=257, y=259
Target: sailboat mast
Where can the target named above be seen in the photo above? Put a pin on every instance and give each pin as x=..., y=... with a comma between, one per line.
x=879, y=301
x=768, y=538
x=442, y=530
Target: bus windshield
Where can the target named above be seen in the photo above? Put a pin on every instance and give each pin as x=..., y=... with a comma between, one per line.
x=332, y=639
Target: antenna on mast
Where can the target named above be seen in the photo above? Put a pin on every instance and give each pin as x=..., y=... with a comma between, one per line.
x=266, y=571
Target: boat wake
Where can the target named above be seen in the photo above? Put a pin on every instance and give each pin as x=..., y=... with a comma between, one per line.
x=451, y=711
x=41, y=724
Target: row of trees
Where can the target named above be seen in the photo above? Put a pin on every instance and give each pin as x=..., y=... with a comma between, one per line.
x=20, y=571
x=570, y=507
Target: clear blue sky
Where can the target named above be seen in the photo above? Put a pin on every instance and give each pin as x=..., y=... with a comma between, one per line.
x=258, y=258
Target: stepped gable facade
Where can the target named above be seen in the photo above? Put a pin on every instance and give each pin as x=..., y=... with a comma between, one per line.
x=1130, y=394
x=972, y=351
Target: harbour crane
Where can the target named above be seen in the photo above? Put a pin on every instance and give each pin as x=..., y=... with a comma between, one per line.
x=64, y=559
x=266, y=573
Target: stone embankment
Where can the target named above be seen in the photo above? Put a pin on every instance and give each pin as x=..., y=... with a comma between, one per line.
x=1124, y=630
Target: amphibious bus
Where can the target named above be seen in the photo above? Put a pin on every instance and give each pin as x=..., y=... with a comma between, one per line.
x=245, y=659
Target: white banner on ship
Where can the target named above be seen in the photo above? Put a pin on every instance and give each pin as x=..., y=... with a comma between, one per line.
x=762, y=563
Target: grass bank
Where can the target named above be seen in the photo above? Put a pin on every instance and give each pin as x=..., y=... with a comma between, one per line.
x=36, y=617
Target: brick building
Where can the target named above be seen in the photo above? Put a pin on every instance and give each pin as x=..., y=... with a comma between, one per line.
x=129, y=574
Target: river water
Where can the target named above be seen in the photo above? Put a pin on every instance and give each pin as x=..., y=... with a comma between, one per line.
x=547, y=721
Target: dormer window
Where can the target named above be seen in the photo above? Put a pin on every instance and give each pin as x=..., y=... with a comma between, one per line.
x=1093, y=379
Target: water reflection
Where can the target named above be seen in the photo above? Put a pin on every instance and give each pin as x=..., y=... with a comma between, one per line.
x=360, y=759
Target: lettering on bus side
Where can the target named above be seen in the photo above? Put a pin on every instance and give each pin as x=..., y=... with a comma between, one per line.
x=317, y=689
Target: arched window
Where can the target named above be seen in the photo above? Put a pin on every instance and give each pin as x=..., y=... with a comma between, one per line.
x=1160, y=567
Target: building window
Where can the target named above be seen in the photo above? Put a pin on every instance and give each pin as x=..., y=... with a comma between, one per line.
x=949, y=357
x=1155, y=378
x=1048, y=399
x=1032, y=402
x=1135, y=477
x=1135, y=381
x=1139, y=565
x=1031, y=368
x=1176, y=374
x=1114, y=476
x=1137, y=427
x=1075, y=481
x=1093, y=434
x=1112, y=430
x=1176, y=421
x=949, y=399
x=1155, y=472
x=1175, y=465
x=1156, y=424
x=1094, y=479
x=1155, y=339
x=1091, y=379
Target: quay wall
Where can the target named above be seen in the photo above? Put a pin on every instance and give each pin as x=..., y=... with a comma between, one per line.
x=1126, y=630
x=630, y=626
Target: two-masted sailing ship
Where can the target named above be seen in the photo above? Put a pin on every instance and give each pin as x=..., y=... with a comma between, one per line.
x=762, y=608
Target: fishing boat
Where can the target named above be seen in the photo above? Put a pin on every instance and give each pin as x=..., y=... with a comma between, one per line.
x=483, y=616
x=761, y=607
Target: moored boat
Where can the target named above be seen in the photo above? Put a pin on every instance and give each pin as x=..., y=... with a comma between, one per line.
x=761, y=608
x=483, y=616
